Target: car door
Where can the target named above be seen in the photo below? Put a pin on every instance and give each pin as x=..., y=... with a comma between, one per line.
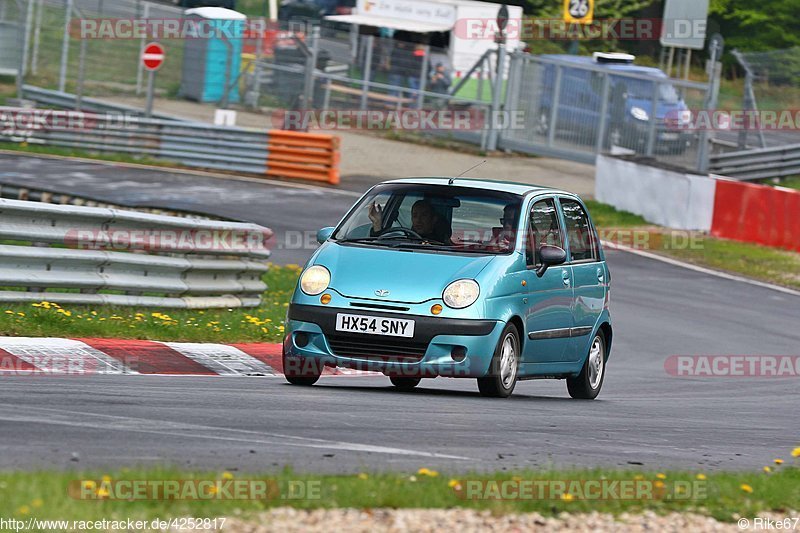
x=548, y=319
x=588, y=274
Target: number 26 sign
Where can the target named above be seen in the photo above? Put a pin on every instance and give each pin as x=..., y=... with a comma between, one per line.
x=578, y=11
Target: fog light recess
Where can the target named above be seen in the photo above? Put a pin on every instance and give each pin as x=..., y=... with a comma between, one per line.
x=301, y=339
x=458, y=353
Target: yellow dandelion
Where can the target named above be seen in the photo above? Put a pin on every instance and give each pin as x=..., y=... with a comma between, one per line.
x=796, y=452
x=89, y=484
x=453, y=483
x=661, y=476
x=102, y=493
x=638, y=477
x=427, y=472
x=701, y=477
x=38, y=502
x=746, y=488
x=767, y=469
x=227, y=475
x=106, y=479
x=778, y=461
x=24, y=510
x=567, y=497
x=363, y=476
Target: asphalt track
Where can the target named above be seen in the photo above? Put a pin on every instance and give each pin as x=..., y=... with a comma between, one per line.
x=644, y=418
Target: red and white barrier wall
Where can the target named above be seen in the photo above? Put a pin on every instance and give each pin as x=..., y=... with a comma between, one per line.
x=724, y=207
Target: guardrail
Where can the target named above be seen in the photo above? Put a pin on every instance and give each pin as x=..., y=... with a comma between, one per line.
x=276, y=153
x=63, y=100
x=92, y=255
x=757, y=164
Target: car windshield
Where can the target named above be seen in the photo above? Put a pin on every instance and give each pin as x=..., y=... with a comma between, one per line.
x=643, y=90
x=442, y=217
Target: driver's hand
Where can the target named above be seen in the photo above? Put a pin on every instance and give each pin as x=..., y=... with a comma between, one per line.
x=376, y=215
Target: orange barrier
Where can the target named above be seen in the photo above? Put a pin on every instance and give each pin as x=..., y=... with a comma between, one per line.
x=309, y=156
x=757, y=213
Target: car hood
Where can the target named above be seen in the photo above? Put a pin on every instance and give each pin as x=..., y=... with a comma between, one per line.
x=409, y=276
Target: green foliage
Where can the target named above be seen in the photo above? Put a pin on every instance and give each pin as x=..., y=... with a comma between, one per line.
x=748, y=25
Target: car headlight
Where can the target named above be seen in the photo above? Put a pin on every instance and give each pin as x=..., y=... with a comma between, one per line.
x=639, y=114
x=461, y=293
x=315, y=280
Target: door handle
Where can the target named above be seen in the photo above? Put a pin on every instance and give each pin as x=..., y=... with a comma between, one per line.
x=565, y=277
x=600, y=275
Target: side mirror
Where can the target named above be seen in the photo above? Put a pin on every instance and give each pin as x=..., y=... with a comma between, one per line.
x=550, y=256
x=324, y=234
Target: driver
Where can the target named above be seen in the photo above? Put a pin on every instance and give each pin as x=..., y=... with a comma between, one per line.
x=504, y=237
x=424, y=221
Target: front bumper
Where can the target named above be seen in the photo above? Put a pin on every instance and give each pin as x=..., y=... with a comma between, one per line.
x=454, y=347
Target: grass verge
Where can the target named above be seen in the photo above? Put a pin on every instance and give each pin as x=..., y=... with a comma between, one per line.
x=95, y=495
x=773, y=265
x=260, y=324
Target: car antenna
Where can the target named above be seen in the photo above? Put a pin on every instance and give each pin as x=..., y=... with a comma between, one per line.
x=451, y=180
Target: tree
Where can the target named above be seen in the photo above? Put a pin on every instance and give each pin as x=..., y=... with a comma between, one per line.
x=752, y=26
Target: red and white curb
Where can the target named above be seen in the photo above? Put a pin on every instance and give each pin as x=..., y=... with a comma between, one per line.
x=33, y=355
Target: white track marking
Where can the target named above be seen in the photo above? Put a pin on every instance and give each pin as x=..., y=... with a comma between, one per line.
x=62, y=356
x=223, y=359
x=61, y=417
x=709, y=271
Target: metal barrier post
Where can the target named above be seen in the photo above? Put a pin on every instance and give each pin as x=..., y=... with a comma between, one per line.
x=311, y=65
x=367, y=72
x=23, y=59
x=37, y=36
x=423, y=77
x=81, y=75
x=601, y=130
x=140, y=67
x=62, y=77
x=651, y=130
x=496, y=97
x=551, y=132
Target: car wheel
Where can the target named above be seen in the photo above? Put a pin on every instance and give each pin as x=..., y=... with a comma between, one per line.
x=300, y=371
x=502, y=377
x=404, y=384
x=587, y=384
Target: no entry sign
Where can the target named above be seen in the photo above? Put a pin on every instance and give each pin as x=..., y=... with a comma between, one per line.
x=153, y=56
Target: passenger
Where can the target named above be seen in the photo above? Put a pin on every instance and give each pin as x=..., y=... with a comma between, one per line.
x=424, y=221
x=505, y=236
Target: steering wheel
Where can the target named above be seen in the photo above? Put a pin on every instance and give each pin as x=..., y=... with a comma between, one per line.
x=407, y=231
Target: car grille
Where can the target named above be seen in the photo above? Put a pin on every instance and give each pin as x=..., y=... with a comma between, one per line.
x=382, y=349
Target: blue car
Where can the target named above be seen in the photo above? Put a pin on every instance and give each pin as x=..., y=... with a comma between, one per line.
x=638, y=95
x=456, y=277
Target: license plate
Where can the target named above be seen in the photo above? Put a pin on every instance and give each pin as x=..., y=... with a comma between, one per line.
x=669, y=137
x=374, y=325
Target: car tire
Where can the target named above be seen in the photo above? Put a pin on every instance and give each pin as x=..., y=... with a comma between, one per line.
x=587, y=384
x=299, y=371
x=504, y=367
x=404, y=384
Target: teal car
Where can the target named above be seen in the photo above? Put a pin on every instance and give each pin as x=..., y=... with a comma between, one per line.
x=456, y=277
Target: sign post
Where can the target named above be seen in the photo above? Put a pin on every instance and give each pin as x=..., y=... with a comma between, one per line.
x=152, y=59
x=578, y=12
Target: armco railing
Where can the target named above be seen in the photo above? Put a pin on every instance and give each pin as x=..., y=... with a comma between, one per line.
x=92, y=255
x=276, y=153
x=759, y=163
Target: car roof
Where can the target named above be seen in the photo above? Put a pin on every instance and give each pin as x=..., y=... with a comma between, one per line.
x=476, y=183
x=623, y=67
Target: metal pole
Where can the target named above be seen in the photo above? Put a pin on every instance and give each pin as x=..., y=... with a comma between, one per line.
x=142, y=44
x=311, y=65
x=81, y=75
x=367, y=71
x=651, y=130
x=496, y=94
x=36, y=37
x=151, y=89
x=670, y=59
x=62, y=78
x=551, y=132
x=601, y=130
x=423, y=77
x=23, y=53
x=688, y=63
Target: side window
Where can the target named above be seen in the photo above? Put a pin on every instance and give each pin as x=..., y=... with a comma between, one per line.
x=544, y=229
x=579, y=231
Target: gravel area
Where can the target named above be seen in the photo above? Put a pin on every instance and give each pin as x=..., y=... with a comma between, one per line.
x=467, y=521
